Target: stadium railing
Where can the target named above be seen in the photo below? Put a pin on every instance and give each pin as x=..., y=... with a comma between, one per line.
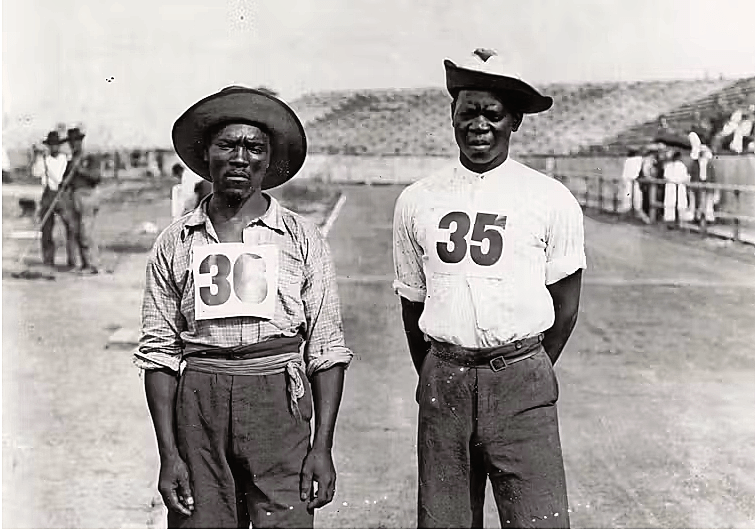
x=604, y=194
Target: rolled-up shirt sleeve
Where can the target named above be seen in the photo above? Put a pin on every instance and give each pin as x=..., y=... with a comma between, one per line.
x=409, y=279
x=565, y=244
x=160, y=344
x=325, y=345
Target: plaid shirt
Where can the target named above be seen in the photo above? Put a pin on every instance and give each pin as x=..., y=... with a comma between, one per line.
x=307, y=301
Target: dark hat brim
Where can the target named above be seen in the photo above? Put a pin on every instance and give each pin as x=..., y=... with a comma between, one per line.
x=74, y=134
x=520, y=95
x=288, y=142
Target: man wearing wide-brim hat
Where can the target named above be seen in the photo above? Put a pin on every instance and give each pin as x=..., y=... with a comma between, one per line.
x=56, y=200
x=241, y=329
x=82, y=179
x=488, y=256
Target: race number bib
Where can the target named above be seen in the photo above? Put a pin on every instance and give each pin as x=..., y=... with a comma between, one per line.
x=467, y=242
x=235, y=280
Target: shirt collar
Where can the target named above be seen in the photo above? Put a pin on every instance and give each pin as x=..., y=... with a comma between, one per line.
x=463, y=172
x=271, y=218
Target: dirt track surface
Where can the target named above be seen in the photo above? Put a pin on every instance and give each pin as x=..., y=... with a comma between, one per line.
x=655, y=409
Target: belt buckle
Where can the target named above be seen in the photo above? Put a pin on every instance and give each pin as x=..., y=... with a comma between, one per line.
x=498, y=363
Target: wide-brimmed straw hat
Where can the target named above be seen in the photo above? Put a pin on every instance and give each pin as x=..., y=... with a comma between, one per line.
x=53, y=138
x=237, y=104
x=485, y=70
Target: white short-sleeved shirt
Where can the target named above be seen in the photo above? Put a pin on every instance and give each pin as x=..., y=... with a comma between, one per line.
x=479, y=250
x=50, y=169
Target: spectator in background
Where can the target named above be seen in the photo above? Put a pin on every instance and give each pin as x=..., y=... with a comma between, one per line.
x=742, y=135
x=702, y=127
x=702, y=202
x=722, y=139
x=663, y=123
x=85, y=175
x=719, y=115
x=190, y=191
x=652, y=168
x=675, y=196
x=632, y=169
x=56, y=200
x=176, y=192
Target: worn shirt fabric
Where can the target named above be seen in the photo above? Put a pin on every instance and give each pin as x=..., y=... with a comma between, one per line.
x=50, y=170
x=479, y=250
x=307, y=299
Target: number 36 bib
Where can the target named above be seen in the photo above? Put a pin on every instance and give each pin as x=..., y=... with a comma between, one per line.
x=468, y=242
x=234, y=280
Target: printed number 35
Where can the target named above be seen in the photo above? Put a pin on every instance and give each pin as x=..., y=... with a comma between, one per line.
x=456, y=251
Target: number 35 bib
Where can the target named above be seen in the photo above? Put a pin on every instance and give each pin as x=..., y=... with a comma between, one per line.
x=467, y=242
x=235, y=280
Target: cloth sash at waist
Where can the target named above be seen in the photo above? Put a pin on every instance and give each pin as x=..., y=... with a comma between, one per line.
x=275, y=356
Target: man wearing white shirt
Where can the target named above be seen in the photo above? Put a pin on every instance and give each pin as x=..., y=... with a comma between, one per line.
x=50, y=169
x=189, y=192
x=488, y=256
x=632, y=169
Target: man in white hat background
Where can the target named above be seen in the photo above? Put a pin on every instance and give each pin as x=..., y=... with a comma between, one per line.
x=241, y=329
x=82, y=178
x=488, y=256
x=50, y=168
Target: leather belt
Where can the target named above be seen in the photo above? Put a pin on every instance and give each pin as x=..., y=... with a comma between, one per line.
x=498, y=358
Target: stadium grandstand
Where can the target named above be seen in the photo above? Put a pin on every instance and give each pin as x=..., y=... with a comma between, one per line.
x=585, y=117
x=685, y=117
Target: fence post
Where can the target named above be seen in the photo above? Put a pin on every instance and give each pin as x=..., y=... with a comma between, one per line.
x=587, y=192
x=620, y=186
x=704, y=209
x=677, y=211
x=736, y=213
x=651, y=201
x=600, y=193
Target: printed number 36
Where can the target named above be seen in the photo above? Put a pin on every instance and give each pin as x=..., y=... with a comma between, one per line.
x=249, y=281
x=456, y=251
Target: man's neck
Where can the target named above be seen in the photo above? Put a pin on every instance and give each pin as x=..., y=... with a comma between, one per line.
x=221, y=210
x=482, y=168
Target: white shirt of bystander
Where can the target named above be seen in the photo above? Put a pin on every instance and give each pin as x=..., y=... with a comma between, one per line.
x=50, y=170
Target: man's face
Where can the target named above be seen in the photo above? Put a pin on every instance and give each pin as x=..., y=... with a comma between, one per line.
x=483, y=126
x=238, y=156
x=76, y=145
x=54, y=149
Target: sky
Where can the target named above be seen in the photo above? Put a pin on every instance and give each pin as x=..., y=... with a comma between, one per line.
x=126, y=70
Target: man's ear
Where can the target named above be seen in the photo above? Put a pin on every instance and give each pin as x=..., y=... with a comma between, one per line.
x=518, y=117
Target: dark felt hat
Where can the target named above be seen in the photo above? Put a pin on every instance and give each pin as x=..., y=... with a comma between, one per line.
x=236, y=104
x=484, y=70
x=75, y=133
x=53, y=138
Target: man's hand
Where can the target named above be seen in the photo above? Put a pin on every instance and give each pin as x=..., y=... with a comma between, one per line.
x=318, y=467
x=174, y=486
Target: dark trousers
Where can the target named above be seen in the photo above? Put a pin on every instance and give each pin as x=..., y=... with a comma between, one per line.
x=64, y=210
x=475, y=423
x=244, y=450
x=85, y=208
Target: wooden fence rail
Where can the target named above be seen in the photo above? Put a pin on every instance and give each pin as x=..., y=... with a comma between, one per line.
x=605, y=194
